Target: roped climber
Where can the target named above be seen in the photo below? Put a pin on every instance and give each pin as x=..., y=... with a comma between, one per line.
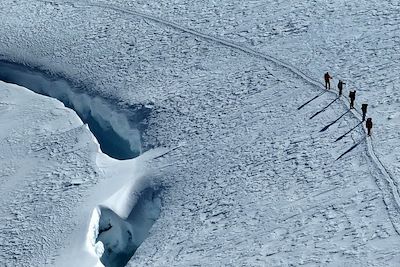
x=352, y=96
x=327, y=78
x=368, y=124
x=340, y=87
x=364, y=111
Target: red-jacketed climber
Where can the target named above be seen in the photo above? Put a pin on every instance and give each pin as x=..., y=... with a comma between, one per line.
x=327, y=78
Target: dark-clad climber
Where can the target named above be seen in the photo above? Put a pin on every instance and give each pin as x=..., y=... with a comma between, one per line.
x=327, y=78
x=364, y=111
x=340, y=86
x=352, y=96
x=368, y=124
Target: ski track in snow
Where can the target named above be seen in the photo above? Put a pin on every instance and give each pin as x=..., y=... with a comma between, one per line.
x=370, y=149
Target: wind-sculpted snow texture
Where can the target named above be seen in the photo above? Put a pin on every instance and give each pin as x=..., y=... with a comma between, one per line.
x=357, y=41
x=256, y=181
x=47, y=161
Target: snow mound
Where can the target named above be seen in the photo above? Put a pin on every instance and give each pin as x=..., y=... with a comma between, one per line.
x=130, y=206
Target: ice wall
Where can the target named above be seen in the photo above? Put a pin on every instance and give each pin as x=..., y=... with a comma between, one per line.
x=117, y=136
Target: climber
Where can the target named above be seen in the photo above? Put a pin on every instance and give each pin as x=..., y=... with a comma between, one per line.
x=368, y=124
x=340, y=86
x=352, y=96
x=364, y=111
x=327, y=78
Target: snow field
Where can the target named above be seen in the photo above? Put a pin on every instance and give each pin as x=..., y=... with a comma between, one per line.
x=255, y=182
x=272, y=191
x=357, y=42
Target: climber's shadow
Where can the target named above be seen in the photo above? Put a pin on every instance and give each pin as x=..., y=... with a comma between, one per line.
x=351, y=148
x=333, y=122
x=322, y=110
x=309, y=101
x=352, y=129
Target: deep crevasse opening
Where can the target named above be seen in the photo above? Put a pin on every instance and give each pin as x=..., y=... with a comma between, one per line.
x=117, y=136
x=115, y=238
x=131, y=232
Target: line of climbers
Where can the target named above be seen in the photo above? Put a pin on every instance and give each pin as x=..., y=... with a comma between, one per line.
x=352, y=96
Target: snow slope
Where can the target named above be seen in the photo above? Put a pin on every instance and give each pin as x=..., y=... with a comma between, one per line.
x=255, y=181
x=271, y=191
x=364, y=52
x=356, y=41
x=47, y=160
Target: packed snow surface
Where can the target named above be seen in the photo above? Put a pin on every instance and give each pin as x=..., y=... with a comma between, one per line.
x=252, y=180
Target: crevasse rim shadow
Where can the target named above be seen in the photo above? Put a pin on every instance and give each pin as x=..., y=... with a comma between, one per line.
x=79, y=86
x=322, y=110
x=37, y=79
